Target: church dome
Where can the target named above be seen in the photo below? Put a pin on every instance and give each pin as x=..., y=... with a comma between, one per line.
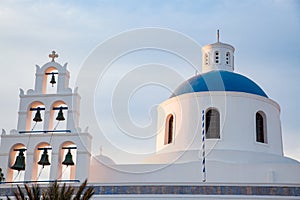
x=104, y=160
x=219, y=80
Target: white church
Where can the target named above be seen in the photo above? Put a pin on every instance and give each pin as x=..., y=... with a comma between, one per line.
x=221, y=139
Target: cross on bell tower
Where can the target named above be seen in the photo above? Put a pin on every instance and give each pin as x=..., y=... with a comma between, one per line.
x=53, y=55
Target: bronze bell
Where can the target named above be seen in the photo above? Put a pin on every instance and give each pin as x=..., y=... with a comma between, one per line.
x=20, y=160
x=37, y=117
x=44, y=158
x=53, y=79
x=60, y=115
x=68, y=159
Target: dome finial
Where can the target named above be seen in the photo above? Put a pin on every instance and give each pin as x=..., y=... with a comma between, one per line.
x=218, y=35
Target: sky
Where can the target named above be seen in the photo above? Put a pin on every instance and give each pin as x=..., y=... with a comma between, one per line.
x=265, y=34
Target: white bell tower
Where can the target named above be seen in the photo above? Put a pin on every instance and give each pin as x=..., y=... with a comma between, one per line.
x=48, y=118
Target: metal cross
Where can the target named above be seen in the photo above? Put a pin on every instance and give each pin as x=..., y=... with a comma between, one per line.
x=53, y=55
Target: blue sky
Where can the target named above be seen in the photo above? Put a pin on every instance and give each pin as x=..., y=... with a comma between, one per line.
x=264, y=33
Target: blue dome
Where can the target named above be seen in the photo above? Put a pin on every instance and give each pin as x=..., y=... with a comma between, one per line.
x=219, y=81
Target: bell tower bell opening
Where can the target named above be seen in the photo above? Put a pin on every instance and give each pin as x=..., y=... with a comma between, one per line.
x=50, y=80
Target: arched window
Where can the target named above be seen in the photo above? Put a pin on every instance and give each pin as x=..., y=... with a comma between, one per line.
x=212, y=124
x=217, y=57
x=206, y=59
x=228, y=58
x=169, y=129
x=261, y=127
x=35, y=116
x=58, y=116
x=68, y=155
x=42, y=154
x=17, y=163
x=50, y=80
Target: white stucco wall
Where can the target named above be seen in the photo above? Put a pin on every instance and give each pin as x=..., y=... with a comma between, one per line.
x=234, y=158
x=237, y=121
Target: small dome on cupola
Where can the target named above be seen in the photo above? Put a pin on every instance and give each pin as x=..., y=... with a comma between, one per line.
x=217, y=56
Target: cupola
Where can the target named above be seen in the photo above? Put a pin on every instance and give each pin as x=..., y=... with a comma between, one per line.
x=217, y=56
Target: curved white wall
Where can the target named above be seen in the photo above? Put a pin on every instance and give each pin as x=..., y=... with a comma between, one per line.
x=237, y=119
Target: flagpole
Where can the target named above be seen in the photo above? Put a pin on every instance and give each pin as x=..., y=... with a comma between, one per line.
x=203, y=149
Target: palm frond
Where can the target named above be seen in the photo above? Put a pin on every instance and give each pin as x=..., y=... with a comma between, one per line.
x=69, y=192
x=62, y=192
x=88, y=193
x=36, y=190
x=29, y=193
x=52, y=192
x=7, y=197
x=80, y=190
x=19, y=194
x=45, y=195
